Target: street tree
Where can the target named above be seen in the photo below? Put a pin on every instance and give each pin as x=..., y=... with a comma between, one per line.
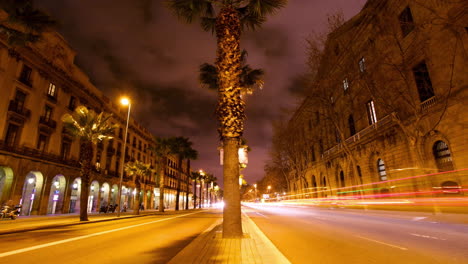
x=182, y=148
x=89, y=128
x=140, y=170
x=23, y=23
x=227, y=19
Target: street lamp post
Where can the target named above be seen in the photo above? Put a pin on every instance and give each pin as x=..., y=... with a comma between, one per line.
x=123, y=101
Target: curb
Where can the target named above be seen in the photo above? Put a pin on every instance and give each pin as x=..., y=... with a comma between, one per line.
x=27, y=229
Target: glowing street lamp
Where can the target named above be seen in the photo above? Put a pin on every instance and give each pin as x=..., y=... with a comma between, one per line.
x=124, y=101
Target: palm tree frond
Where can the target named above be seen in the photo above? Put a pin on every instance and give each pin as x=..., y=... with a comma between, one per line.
x=262, y=8
x=208, y=24
x=189, y=10
x=208, y=76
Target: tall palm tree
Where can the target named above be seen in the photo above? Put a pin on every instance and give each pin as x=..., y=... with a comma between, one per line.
x=89, y=128
x=195, y=176
x=162, y=149
x=231, y=18
x=182, y=147
x=201, y=179
x=139, y=170
x=210, y=178
x=250, y=79
x=24, y=23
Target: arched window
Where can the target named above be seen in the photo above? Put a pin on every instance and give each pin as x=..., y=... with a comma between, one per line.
x=381, y=170
x=442, y=156
x=342, y=180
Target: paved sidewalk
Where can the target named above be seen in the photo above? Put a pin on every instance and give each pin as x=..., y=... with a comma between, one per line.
x=210, y=247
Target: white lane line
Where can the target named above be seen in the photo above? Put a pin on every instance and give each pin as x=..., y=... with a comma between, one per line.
x=383, y=243
x=262, y=215
x=9, y=253
x=425, y=236
x=418, y=218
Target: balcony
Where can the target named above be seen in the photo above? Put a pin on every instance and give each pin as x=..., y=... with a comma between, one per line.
x=34, y=153
x=18, y=112
x=25, y=81
x=428, y=103
x=51, y=98
x=47, y=122
x=381, y=124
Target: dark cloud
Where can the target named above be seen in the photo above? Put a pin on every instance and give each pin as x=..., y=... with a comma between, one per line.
x=140, y=49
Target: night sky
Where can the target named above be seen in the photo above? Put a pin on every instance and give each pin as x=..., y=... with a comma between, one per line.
x=139, y=48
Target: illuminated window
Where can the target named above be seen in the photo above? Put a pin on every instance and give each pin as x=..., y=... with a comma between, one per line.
x=442, y=156
x=362, y=65
x=371, y=116
x=52, y=91
x=345, y=84
x=381, y=170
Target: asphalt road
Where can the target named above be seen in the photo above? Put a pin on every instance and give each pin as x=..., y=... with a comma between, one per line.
x=149, y=239
x=321, y=235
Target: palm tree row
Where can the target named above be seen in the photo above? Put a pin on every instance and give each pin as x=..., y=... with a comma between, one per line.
x=90, y=128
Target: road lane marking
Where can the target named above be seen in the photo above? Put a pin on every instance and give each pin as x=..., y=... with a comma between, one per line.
x=383, y=243
x=262, y=215
x=17, y=251
x=418, y=218
x=426, y=236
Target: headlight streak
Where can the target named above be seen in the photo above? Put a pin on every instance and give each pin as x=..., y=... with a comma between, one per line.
x=386, y=193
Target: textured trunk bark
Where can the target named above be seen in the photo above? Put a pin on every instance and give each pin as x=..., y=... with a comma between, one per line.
x=232, y=225
x=136, y=206
x=188, y=186
x=194, y=194
x=86, y=150
x=230, y=113
x=178, y=185
x=161, y=184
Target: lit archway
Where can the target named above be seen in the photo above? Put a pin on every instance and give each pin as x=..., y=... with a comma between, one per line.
x=6, y=181
x=57, y=190
x=93, y=196
x=31, y=192
x=105, y=190
x=75, y=196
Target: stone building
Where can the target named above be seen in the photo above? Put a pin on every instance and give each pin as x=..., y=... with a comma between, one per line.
x=39, y=166
x=386, y=113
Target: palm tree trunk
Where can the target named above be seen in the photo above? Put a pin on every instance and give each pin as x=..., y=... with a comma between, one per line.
x=232, y=225
x=86, y=152
x=230, y=113
x=136, y=206
x=188, y=185
x=161, y=185
x=178, y=184
x=194, y=194
x=200, y=195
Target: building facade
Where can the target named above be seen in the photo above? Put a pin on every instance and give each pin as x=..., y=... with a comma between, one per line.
x=39, y=166
x=386, y=111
